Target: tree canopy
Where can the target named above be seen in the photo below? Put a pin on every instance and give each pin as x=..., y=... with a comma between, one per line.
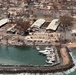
x=22, y=25
x=66, y=24
x=66, y=20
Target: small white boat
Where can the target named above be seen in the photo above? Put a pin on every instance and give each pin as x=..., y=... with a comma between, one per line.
x=48, y=58
x=49, y=61
x=45, y=52
x=49, y=48
x=37, y=47
x=51, y=57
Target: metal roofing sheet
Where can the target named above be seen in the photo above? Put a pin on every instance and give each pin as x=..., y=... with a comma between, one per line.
x=54, y=24
x=38, y=23
x=3, y=21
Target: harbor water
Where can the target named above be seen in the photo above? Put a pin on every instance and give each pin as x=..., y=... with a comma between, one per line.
x=21, y=56
x=29, y=55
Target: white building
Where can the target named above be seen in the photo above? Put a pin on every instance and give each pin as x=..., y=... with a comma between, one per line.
x=42, y=38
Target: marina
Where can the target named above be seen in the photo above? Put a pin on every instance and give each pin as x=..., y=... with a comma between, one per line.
x=32, y=63
x=7, y=56
x=50, y=54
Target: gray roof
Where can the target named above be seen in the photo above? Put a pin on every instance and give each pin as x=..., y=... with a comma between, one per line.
x=38, y=23
x=3, y=21
x=53, y=24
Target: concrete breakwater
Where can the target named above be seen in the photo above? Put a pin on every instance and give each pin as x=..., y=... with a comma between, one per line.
x=67, y=64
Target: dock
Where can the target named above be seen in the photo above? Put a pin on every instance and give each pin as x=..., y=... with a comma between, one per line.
x=57, y=56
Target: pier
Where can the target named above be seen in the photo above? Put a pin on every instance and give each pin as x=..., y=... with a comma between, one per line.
x=57, y=56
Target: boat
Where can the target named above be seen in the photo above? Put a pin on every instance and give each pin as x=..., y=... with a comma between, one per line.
x=49, y=62
x=37, y=47
x=49, y=48
x=51, y=54
x=45, y=52
x=50, y=57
